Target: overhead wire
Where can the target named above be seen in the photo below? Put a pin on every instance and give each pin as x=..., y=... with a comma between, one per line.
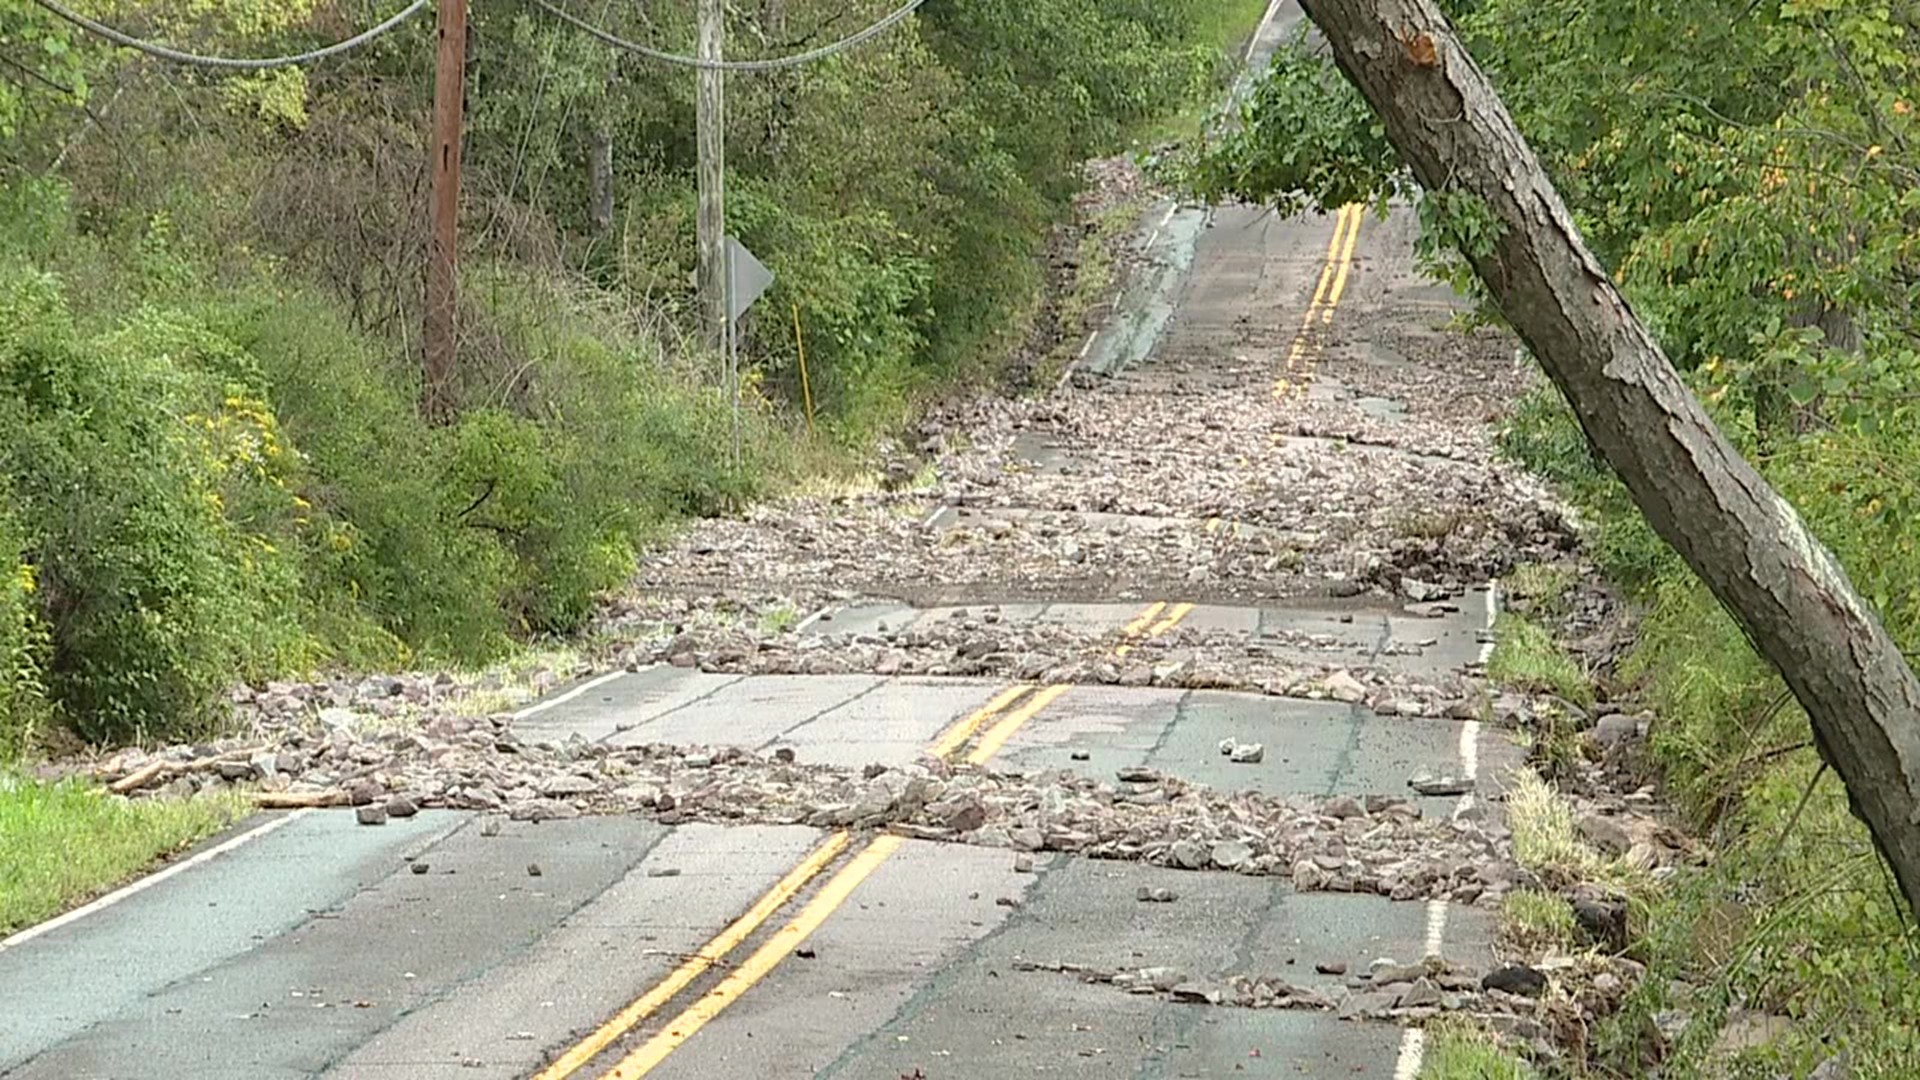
x=771, y=64
x=229, y=63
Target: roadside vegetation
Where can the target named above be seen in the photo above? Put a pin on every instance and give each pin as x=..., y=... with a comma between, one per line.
x=1748, y=173
x=61, y=844
x=1457, y=1051
x=214, y=464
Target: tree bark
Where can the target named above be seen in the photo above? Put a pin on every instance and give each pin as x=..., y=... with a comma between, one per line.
x=1744, y=541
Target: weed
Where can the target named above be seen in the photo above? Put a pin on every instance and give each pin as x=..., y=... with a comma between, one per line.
x=1540, y=587
x=779, y=620
x=1537, y=922
x=1545, y=840
x=62, y=843
x=1525, y=657
x=1459, y=1051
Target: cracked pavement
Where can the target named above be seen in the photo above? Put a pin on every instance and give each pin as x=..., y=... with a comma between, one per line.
x=1093, y=758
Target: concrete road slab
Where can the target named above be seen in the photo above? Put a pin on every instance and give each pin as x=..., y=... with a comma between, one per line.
x=67, y=980
x=597, y=960
x=622, y=703
x=1311, y=747
x=748, y=710
x=302, y=999
x=1249, y=1043
x=826, y=719
x=918, y=913
x=983, y=1015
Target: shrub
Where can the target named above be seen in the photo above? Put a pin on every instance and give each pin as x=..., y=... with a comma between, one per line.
x=153, y=600
x=23, y=639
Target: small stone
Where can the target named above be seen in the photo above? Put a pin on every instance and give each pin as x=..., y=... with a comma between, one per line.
x=1603, y=921
x=371, y=814
x=1386, y=971
x=533, y=869
x=1080, y=755
x=1344, y=807
x=1226, y=746
x=1342, y=686
x=418, y=868
x=563, y=786
x=1440, y=785
x=1365, y=1006
x=401, y=807
x=1008, y=901
x=490, y=826
x=1837, y=1067
x=1194, y=992
x=962, y=812
x=1155, y=894
x=783, y=755
x=1616, y=729
x=1247, y=754
x=1423, y=592
x=1162, y=978
x=1421, y=995
x=1331, y=967
x=1605, y=833
x=663, y=871
x=1023, y=863
x=1188, y=854
x=1231, y=854
x=1308, y=876
x=1516, y=979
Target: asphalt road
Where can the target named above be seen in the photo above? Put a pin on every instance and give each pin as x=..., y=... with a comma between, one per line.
x=447, y=946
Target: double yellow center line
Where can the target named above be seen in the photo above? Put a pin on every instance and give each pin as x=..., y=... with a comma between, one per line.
x=1326, y=296
x=1000, y=718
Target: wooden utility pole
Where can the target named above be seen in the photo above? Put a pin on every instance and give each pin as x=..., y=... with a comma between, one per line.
x=440, y=330
x=712, y=223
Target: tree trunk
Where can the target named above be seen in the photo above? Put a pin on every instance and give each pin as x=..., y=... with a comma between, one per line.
x=1699, y=494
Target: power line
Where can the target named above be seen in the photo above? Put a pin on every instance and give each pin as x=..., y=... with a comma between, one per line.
x=228, y=62
x=772, y=64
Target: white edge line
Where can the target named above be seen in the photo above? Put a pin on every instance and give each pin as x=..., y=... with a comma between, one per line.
x=1272, y=10
x=1413, y=1050
x=1151, y=240
x=1174, y=209
x=1436, y=926
x=1493, y=616
x=543, y=706
x=1470, y=749
x=1087, y=346
x=928, y=524
x=150, y=880
x=822, y=613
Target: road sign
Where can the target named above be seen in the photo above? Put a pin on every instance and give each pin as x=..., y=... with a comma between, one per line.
x=747, y=279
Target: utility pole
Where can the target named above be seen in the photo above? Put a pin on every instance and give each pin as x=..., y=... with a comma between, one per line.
x=440, y=330
x=712, y=223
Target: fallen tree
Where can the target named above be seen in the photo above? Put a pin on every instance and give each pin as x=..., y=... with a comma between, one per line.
x=1734, y=530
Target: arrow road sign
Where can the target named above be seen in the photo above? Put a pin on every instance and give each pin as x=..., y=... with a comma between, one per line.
x=747, y=279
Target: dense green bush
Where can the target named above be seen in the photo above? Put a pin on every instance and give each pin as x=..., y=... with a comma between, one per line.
x=23, y=644
x=241, y=485
x=210, y=447
x=155, y=597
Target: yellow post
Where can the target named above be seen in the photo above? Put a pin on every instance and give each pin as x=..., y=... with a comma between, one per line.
x=800, y=344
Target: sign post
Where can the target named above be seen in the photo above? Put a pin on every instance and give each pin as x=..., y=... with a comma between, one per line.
x=747, y=280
